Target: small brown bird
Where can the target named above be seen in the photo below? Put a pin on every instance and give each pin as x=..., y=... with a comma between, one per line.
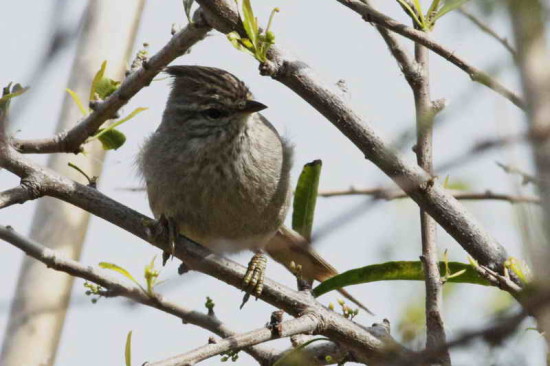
x=220, y=172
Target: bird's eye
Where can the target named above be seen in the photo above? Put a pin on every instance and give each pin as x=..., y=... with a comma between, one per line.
x=214, y=113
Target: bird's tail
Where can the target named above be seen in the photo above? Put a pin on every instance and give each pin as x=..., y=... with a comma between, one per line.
x=288, y=246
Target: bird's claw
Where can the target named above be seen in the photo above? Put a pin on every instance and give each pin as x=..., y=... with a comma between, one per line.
x=253, y=281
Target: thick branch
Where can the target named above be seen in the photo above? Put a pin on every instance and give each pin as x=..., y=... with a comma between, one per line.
x=372, y=15
x=305, y=324
x=421, y=186
x=117, y=288
x=71, y=141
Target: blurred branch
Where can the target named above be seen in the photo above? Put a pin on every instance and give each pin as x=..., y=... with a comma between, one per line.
x=306, y=323
x=70, y=141
x=392, y=194
x=529, y=24
x=526, y=178
x=486, y=29
x=113, y=287
x=371, y=15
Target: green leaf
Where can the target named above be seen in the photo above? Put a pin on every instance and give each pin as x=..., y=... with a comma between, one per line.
x=420, y=12
x=305, y=198
x=111, y=139
x=411, y=12
x=77, y=101
x=98, y=76
x=187, y=4
x=250, y=23
x=128, y=350
x=8, y=93
x=105, y=87
x=449, y=6
x=119, y=122
x=114, y=267
x=394, y=271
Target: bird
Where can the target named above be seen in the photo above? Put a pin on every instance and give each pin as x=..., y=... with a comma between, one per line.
x=219, y=172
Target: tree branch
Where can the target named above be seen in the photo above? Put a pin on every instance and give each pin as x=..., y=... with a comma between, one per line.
x=389, y=195
x=435, y=327
x=58, y=262
x=486, y=29
x=373, y=16
x=306, y=323
x=70, y=141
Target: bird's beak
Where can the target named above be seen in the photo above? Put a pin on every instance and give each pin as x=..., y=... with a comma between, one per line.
x=252, y=106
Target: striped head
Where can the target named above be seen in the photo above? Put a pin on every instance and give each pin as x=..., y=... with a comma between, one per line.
x=207, y=98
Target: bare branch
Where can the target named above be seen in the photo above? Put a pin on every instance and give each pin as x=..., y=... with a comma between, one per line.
x=389, y=195
x=486, y=29
x=14, y=195
x=58, y=262
x=373, y=16
x=306, y=323
x=425, y=115
x=71, y=141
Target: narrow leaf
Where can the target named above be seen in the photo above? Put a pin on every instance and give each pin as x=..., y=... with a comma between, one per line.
x=250, y=23
x=394, y=271
x=77, y=101
x=420, y=12
x=112, y=139
x=118, y=123
x=8, y=95
x=449, y=6
x=98, y=76
x=114, y=267
x=187, y=4
x=128, y=349
x=410, y=11
x=305, y=198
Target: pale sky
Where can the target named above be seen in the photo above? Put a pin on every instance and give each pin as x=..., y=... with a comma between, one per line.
x=339, y=46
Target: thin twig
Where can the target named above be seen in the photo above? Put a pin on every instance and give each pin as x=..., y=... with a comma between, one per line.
x=71, y=141
x=486, y=29
x=114, y=287
x=373, y=16
x=435, y=327
x=392, y=194
x=304, y=324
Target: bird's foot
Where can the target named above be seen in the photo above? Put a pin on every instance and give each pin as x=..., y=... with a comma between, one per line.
x=253, y=281
x=168, y=224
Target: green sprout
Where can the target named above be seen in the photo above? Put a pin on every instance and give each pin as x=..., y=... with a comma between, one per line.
x=438, y=8
x=258, y=41
x=151, y=275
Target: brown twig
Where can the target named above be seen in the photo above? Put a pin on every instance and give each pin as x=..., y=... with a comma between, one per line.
x=373, y=16
x=486, y=29
x=304, y=324
x=114, y=287
x=425, y=115
x=392, y=194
